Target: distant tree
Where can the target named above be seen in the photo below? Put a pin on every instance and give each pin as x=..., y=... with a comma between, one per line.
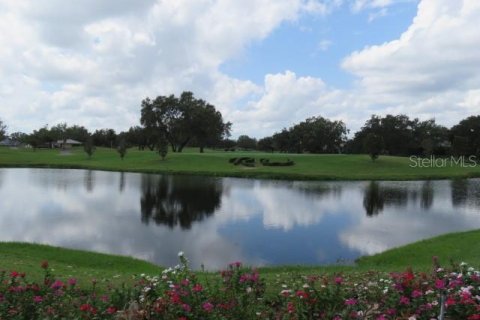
x=469, y=129
x=265, y=144
x=245, y=142
x=89, y=147
x=41, y=138
x=460, y=146
x=3, y=130
x=373, y=145
x=162, y=146
x=227, y=144
x=122, y=148
x=104, y=138
x=19, y=136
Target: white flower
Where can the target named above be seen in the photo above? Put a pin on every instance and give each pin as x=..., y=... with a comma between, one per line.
x=412, y=318
x=462, y=264
x=180, y=254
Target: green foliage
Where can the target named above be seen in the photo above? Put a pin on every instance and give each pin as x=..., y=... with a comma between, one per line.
x=122, y=148
x=373, y=145
x=162, y=147
x=104, y=138
x=3, y=130
x=466, y=136
x=89, y=147
x=246, y=143
x=402, y=136
x=182, y=120
x=314, y=135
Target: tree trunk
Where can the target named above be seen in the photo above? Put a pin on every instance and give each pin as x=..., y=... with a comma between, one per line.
x=201, y=149
x=180, y=148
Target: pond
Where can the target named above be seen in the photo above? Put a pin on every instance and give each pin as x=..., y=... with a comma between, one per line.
x=219, y=220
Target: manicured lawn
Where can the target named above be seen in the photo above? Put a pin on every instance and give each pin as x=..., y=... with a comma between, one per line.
x=307, y=166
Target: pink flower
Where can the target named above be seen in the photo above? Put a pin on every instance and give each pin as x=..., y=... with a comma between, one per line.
x=72, y=282
x=207, y=306
x=37, y=299
x=338, y=280
x=416, y=293
x=439, y=284
x=57, y=285
x=404, y=300
x=186, y=307
x=197, y=288
x=350, y=302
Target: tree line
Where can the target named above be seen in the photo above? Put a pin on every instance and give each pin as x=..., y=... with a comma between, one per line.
x=172, y=123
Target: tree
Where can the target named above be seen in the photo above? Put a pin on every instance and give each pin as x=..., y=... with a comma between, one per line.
x=469, y=129
x=104, y=138
x=122, y=148
x=3, y=130
x=245, y=142
x=265, y=144
x=373, y=145
x=162, y=146
x=89, y=147
x=182, y=120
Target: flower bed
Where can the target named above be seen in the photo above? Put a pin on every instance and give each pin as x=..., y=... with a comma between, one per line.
x=240, y=293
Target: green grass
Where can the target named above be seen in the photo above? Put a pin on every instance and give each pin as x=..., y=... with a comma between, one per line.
x=215, y=163
x=66, y=263
x=87, y=265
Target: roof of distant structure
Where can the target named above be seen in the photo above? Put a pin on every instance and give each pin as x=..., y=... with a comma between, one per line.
x=68, y=141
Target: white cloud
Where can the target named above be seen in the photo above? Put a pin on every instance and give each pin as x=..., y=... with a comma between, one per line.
x=429, y=70
x=95, y=66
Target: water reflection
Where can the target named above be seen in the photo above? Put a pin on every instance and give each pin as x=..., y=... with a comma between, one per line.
x=179, y=200
x=216, y=221
x=427, y=194
x=381, y=195
x=89, y=180
x=121, y=184
x=374, y=199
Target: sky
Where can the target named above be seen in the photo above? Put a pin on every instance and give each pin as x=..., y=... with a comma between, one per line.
x=265, y=64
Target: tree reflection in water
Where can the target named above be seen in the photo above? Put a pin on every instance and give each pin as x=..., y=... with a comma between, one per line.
x=178, y=200
x=378, y=196
x=373, y=199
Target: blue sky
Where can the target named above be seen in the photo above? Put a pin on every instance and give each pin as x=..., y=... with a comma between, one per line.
x=265, y=64
x=315, y=46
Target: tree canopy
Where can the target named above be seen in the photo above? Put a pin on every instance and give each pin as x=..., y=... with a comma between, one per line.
x=183, y=120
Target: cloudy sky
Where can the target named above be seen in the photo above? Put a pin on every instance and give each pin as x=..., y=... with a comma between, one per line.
x=265, y=64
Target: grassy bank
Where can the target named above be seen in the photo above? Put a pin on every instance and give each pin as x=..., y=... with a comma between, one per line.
x=215, y=163
x=88, y=265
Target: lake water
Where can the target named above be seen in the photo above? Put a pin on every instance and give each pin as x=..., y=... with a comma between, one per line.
x=219, y=220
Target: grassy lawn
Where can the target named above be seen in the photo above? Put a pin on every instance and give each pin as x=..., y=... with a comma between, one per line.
x=307, y=166
x=115, y=269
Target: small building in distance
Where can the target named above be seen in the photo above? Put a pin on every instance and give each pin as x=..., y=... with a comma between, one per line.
x=67, y=144
x=7, y=142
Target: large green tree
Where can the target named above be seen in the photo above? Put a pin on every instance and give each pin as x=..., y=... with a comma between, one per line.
x=182, y=120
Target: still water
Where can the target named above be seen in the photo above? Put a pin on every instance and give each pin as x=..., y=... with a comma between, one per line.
x=219, y=220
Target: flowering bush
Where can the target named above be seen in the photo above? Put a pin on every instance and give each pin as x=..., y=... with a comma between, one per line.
x=240, y=293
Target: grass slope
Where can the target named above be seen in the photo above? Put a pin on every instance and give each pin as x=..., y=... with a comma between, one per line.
x=308, y=166
x=83, y=265
x=87, y=265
